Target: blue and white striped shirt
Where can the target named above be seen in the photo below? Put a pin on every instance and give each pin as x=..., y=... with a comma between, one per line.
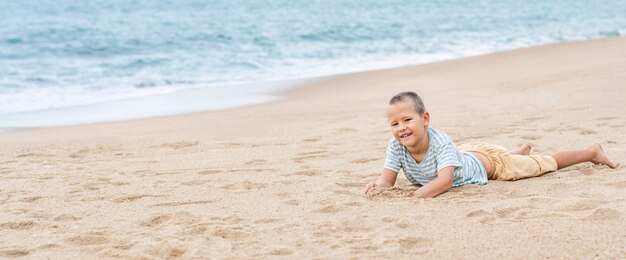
x=441, y=153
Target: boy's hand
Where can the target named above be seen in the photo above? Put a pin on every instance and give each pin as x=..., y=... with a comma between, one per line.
x=369, y=186
x=387, y=179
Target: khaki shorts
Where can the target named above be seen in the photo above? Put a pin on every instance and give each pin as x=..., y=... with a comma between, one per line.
x=510, y=167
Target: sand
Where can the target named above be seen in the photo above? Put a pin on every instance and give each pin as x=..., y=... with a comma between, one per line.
x=285, y=179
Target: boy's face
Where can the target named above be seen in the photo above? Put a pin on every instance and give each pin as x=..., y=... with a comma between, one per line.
x=407, y=126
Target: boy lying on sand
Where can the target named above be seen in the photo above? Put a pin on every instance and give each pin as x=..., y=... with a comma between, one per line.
x=429, y=158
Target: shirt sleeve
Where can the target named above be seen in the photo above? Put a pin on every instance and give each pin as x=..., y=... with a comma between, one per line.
x=392, y=161
x=447, y=155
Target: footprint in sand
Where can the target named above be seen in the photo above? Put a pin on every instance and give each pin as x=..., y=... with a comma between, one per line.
x=483, y=215
x=403, y=224
x=292, y=202
x=178, y=145
x=194, y=230
x=541, y=200
x=531, y=137
x=280, y=252
x=282, y=194
x=289, y=182
x=389, y=219
x=353, y=204
x=21, y=225
x=364, y=160
x=328, y=209
x=31, y=199
x=134, y=197
x=166, y=173
x=509, y=212
x=350, y=184
x=343, y=192
x=267, y=220
x=412, y=242
x=580, y=206
x=256, y=162
x=32, y=154
x=246, y=185
x=253, y=170
x=307, y=156
x=79, y=154
x=232, y=144
x=49, y=246
x=14, y=252
x=312, y=139
x=351, y=226
x=587, y=132
x=89, y=239
x=603, y=214
x=195, y=182
x=619, y=184
x=156, y=220
x=66, y=217
x=490, y=215
x=209, y=172
x=6, y=170
x=609, y=118
x=309, y=173
x=141, y=173
x=533, y=118
x=182, y=203
x=167, y=250
x=126, y=245
x=230, y=233
x=346, y=130
x=534, y=207
x=370, y=248
x=550, y=129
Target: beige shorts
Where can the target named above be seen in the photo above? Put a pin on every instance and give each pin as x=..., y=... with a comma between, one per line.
x=510, y=167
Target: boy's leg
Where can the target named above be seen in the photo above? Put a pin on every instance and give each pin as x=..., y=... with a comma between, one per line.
x=593, y=153
x=523, y=150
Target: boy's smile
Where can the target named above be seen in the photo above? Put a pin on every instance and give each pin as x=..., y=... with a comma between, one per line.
x=408, y=127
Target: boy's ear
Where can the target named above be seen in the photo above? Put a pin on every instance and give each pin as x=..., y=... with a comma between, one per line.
x=426, y=118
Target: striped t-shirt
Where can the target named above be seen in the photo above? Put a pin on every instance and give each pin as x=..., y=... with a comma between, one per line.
x=441, y=153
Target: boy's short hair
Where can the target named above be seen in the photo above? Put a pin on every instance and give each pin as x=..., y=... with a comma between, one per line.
x=412, y=97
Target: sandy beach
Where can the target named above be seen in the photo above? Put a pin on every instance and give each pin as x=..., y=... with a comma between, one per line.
x=284, y=179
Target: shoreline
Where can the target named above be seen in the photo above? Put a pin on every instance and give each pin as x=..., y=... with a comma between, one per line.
x=285, y=178
x=187, y=101
x=258, y=93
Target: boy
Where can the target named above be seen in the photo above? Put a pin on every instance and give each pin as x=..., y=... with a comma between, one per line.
x=429, y=158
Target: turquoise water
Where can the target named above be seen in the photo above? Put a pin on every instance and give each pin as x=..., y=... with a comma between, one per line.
x=65, y=57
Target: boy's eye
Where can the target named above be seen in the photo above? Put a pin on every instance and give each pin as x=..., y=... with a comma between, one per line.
x=394, y=124
x=408, y=119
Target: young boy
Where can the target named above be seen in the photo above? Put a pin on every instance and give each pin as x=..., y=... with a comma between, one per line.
x=429, y=158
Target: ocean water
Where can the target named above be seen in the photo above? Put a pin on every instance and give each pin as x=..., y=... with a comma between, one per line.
x=72, y=62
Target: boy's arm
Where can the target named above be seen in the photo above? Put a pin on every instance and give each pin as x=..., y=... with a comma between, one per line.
x=386, y=179
x=439, y=185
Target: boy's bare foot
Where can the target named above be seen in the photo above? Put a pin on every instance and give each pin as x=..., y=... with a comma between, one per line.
x=599, y=157
x=523, y=150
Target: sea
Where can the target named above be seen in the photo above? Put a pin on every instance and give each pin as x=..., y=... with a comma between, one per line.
x=66, y=62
